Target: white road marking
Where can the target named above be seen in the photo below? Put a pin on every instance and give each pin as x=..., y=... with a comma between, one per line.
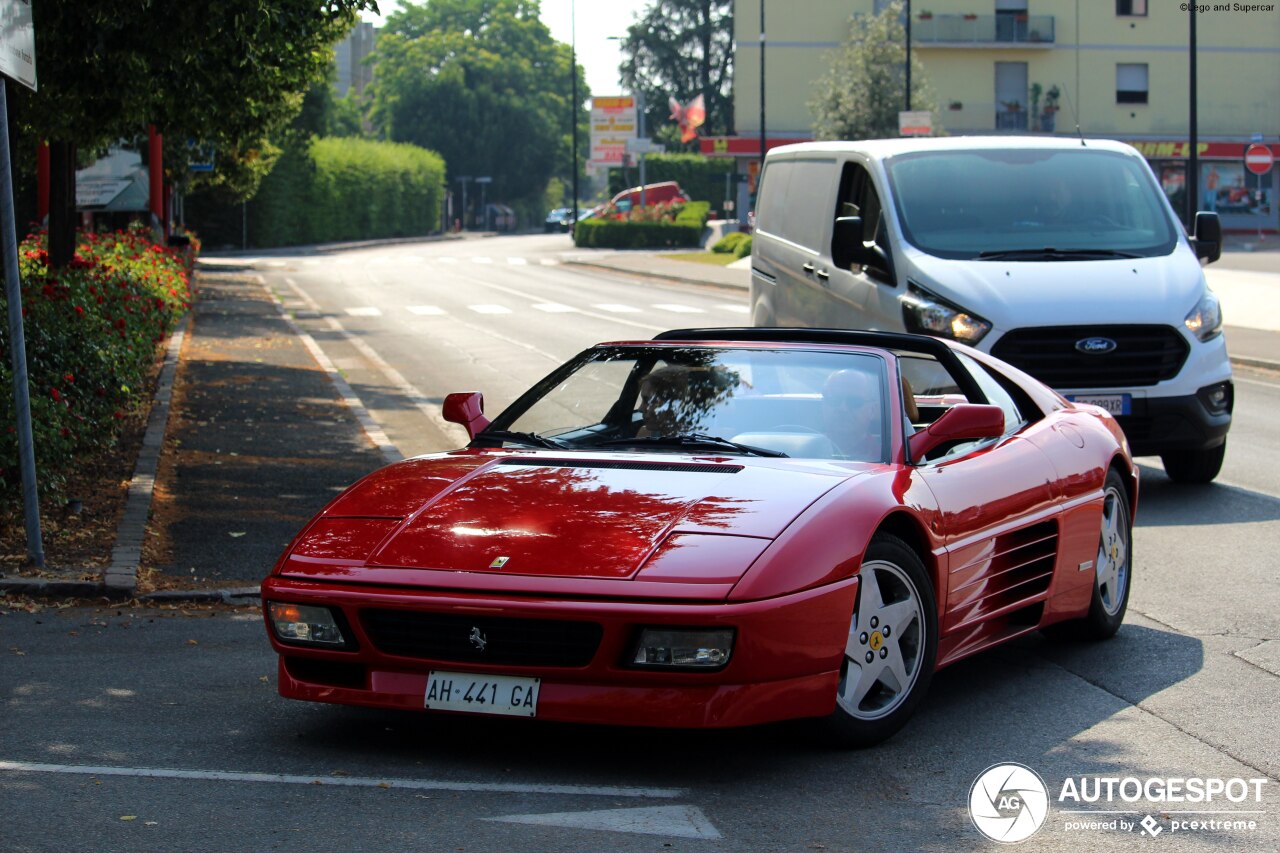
x=389, y=451
x=490, y=309
x=517, y=262
x=413, y=259
x=675, y=821
x=346, y=262
x=613, y=308
x=680, y=309
x=311, y=262
x=427, y=310
x=549, y=262
x=277, y=263
x=447, y=260
x=481, y=260
x=537, y=298
x=345, y=781
x=554, y=307
x=367, y=311
x=736, y=309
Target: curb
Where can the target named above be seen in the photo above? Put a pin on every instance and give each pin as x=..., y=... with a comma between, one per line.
x=121, y=576
x=36, y=588
x=663, y=276
x=1258, y=363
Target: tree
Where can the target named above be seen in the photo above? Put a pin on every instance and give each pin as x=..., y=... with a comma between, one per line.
x=861, y=94
x=483, y=83
x=680, y=49
x=226, y=76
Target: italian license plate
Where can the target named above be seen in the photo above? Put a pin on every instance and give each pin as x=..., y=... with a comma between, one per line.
x=510, y=695
x=1116, y=404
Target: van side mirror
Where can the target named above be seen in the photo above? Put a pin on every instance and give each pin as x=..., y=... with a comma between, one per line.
x=466, y=408
x=1206, y=239
x=848, y=248
x=962, y=422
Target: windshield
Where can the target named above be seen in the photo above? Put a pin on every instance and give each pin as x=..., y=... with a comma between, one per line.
x=988, y=203
x=798, y=403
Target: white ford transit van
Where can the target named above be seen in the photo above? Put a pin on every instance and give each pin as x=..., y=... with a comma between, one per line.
x=1059, y=256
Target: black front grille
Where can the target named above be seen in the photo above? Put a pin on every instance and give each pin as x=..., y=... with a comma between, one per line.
x=459, y=638
x=1143, y=355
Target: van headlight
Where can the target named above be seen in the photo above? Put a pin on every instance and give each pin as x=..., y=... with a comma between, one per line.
x=1205, y=320
x=926, y=314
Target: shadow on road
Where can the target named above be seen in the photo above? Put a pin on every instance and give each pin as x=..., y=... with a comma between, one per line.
x=1164, y=503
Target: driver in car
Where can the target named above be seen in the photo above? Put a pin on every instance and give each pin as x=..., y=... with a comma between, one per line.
x=851, y=415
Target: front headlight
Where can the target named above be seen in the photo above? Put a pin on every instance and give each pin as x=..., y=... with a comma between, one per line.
x=1205, y=320
x=683, y=648
x=926, y=314
x=303, y=625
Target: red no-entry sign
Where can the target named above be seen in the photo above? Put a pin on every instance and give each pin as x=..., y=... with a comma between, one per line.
x=1258, y=159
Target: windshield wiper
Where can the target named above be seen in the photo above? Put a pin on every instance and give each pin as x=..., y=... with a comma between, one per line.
x=531, y=439
x=693, y=439
x=1051, y=254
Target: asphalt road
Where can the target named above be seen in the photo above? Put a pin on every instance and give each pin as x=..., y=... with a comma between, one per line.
x=169, y=717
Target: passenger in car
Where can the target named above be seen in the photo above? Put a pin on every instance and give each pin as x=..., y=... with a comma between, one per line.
x=851, y=415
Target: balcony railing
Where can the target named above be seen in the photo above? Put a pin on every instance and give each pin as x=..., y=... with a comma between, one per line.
x=1027, y=30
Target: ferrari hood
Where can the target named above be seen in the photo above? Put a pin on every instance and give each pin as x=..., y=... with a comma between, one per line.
x=568, y=517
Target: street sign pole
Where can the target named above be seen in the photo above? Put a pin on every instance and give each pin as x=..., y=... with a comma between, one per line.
x=17, y=342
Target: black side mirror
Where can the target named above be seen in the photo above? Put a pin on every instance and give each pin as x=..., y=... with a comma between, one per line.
x=848, y=247
x=1207, y=237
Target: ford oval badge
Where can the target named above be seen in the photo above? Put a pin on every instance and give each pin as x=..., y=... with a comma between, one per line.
x=1096, y=346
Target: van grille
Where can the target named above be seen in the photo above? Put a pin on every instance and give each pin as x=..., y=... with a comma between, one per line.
x=1144, y=355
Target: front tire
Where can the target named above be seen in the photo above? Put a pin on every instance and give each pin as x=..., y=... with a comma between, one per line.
x=1194, y=466
x=1113, y=570
x=892, y=647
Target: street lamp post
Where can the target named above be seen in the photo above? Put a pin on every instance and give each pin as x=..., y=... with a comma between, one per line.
x=573, y=101
x=464, y=180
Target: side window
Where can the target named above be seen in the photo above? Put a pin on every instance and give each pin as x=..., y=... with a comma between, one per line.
x=858, y=197
x=805, y=220
x=771, y=210
x=995, y=393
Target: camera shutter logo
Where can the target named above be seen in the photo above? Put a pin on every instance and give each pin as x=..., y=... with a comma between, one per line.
x=1008, y=803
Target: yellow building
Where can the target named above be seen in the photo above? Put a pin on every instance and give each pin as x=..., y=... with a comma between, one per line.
x=1120, y=68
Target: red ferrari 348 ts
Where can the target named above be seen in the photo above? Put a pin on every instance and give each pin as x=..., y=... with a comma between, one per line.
x=718, y=527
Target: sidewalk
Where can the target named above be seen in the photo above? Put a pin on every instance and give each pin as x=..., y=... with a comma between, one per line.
x=258, y=439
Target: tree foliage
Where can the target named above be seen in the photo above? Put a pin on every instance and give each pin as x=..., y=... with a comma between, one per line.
x=680, y=49
x=865, y=87
x=483, y=83
x=227, y=74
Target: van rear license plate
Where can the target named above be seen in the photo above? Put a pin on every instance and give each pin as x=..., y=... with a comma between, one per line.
x=510, y=695
x=1116, y=404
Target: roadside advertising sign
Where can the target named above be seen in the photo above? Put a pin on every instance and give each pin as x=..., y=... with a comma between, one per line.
x=613, y=122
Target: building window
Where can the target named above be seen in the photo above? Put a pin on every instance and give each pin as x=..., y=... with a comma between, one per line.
x=1131, y=83
x=1132, y=8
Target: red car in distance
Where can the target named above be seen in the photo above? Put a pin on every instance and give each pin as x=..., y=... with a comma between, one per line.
x=718, y=527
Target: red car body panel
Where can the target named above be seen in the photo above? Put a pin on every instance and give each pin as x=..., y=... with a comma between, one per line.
x=768, y=547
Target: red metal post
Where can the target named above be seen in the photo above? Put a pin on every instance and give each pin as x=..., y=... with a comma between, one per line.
x=155, y=166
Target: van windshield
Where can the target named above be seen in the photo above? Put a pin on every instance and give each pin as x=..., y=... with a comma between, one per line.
x=1030, y=205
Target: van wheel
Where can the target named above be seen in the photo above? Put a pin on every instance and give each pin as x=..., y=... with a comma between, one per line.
x=1194, y=466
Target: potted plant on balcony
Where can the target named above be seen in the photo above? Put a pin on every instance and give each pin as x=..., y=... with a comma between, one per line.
x=1048, y=119
x=926, y=15
x=969, y=16
x=1012, y=106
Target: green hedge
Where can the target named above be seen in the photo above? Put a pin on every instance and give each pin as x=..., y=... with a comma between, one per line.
x=702, y=178
x=611, y=234
x=335, y=188
x=735, y=243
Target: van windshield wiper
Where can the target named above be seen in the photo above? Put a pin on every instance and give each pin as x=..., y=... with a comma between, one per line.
x=1051, y=254
x=531, y=439
x=692, y=440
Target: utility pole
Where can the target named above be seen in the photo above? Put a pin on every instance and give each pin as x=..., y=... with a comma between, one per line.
x=908, y=106
x=760, y=173
x=1192, y=180
x=573, y=101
